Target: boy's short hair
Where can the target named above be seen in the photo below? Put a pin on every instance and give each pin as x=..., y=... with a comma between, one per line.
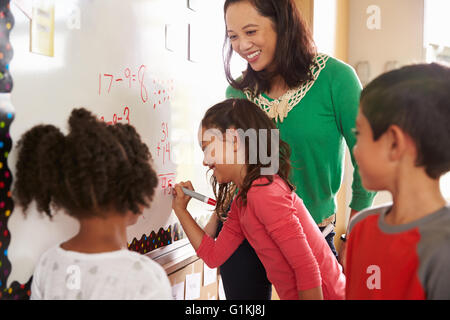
x=416, y=98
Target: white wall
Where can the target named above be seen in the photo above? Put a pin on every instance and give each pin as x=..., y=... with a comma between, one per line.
x=325, y=24
x=400, y=37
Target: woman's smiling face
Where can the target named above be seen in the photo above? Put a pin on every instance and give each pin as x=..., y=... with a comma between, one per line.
x=252, y=35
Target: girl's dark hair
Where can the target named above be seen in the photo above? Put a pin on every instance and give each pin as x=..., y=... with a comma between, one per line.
x=415, y=98
x=241, y=114
x=295, y=48
x=93, y=169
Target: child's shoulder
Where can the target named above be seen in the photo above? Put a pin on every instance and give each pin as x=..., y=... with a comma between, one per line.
x=361, y=216
x=155, y=284
x=48, y=255
x=263, y=185
x=435, y=230
x=140, y=262
x=433, y=252
x=265, y=191
x=125, y=259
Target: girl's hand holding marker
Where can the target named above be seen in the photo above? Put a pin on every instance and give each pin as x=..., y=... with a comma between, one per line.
x=183, y=192
x=179, y=204
x=199, y=196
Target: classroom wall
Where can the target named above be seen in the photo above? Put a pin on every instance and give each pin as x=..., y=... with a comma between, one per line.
x=306, y=8
x=342, y=29
x=348, y=38
x=331, y=27
x=400, y=37
x=399, y=40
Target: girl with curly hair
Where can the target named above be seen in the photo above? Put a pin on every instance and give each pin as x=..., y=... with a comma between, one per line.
x=102, y=176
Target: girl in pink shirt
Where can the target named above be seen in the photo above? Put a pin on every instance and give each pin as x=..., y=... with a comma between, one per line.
x=242, y=147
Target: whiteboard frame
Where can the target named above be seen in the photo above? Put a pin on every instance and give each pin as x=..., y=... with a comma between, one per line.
x=167, y=254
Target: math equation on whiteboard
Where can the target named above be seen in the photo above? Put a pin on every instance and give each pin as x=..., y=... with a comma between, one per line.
x=128, y=79
x=132, y=79
x=123, y=117
x=163, y=147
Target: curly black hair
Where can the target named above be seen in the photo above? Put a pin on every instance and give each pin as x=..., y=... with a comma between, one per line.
x=94, y=169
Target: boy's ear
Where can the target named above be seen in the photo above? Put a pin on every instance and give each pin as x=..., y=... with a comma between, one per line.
x=397, y=140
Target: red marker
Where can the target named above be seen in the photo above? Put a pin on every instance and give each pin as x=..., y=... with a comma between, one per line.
x=198, y=196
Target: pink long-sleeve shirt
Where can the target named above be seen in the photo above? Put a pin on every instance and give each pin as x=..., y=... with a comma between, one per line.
x=285, y=237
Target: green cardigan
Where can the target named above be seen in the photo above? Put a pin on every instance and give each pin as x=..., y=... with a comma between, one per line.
x=315, y=129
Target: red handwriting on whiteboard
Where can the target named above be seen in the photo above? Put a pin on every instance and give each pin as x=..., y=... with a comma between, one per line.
x=162, y=95
x=123, y=117
x=167, y=182
x=163, y=147
x=106, y=81
x=141, y=75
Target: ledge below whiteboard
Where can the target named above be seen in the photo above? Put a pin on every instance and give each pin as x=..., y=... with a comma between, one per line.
x=174, y=257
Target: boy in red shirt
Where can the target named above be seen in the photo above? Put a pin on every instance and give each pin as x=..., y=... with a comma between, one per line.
x=402, y=250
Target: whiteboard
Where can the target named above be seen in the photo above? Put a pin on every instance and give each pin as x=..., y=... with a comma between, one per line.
x=156, y=64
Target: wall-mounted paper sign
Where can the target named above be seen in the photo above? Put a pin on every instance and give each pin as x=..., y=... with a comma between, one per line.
x=194, y=43
x=43, y=27
x=193, y=283
x=178, y=291
x=221, y=291
x=209, y=275
x=194, y=5
x=169, y=37
x=176, y=37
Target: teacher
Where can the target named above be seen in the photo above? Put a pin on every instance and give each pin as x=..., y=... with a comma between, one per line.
x=313, y=99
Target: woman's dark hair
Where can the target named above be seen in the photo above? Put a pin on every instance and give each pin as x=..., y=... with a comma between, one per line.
x=244, y=115
x=416, y=98
x=93, y=169
x=295, y=48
